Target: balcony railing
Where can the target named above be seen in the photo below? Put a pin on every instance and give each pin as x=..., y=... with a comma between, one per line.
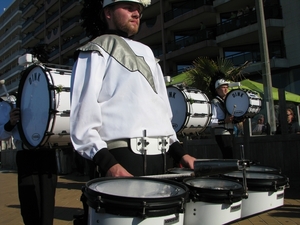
x=252, y=54
x=198, y=36
x=185, y=7
x=271, y=12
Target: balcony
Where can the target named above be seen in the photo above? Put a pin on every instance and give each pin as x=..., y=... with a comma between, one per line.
x=184, y=8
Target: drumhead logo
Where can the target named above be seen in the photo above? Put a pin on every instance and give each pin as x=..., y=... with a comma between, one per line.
x=172, y=94
x=34, y=77
x=237, y=94
x=35, y=137
x=175, y=125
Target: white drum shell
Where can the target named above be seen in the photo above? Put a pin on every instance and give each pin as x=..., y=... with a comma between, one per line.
x=260, y=201
x=206, y=213
x=265, y=191
x=191, y=110
x=109, y=219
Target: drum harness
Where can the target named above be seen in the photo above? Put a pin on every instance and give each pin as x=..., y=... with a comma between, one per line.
x=218, y=101
x=144, y=146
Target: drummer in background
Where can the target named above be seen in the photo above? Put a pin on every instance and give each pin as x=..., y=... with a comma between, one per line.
x=222, y=123
x=37, y=172
x=118, y=96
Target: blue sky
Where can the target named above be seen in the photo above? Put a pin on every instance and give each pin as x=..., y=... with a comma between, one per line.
x=4, y=4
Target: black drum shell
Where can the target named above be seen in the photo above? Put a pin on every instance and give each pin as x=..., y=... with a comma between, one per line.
x=136, y=206
x=258, y=181
x=219, y=194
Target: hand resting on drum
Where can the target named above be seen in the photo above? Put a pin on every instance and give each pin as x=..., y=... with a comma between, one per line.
x=118, y=171
x=187, y=161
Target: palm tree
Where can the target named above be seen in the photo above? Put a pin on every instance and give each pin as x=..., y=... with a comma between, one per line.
x=204, y=70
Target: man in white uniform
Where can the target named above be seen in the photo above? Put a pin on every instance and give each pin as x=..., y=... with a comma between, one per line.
x=221, y=122
x=120, y=112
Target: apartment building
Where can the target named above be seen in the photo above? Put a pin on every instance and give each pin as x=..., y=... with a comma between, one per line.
x=172, y=28
x=10, y=46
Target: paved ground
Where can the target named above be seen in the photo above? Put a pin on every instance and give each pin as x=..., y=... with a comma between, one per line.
x=68, y=203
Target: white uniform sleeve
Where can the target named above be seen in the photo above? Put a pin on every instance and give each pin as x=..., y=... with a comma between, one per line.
x=85, y=117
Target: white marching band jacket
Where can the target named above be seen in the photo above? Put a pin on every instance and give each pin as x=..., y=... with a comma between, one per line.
x=124, y=84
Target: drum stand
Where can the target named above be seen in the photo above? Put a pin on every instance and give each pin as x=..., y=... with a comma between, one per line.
x=245, y=194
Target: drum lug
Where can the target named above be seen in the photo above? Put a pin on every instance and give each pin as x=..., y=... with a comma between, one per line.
x=53, y=111
x=182, y=205
x=98, y=209
x=64, y=132
x=144, y=210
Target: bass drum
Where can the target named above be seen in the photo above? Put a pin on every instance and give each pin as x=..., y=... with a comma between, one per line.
x=265, y=191
x=135, y=200
x=242, y=103
x=44, y=101
x=191, y=110
x=213, y=201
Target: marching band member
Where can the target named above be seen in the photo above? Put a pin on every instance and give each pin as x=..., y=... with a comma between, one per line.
x=120, y=113
x=37, y=172
x=221, y=122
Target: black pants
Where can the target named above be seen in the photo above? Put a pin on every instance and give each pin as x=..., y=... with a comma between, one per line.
x=226, y=144
x=37, y=179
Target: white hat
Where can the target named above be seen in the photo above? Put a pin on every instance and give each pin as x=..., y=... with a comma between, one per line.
x=145, y=3
x=221, y=82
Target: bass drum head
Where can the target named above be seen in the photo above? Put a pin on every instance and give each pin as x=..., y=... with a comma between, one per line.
x=135, y=195
x=237, y=103
x=258, y=181
x=214, y=190
x=179, y=107
x=34, y=101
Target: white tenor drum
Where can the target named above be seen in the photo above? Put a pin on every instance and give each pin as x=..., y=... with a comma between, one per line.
x=213, y=201
x=242, y=103
x=191, y=110
x=44, y=101
x=265, y=191
x=135, y=200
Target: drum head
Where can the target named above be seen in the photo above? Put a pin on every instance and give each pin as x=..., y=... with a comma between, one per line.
x=263, y=169
x=179, y=107
x=237, y=103
x=34, y=101
x=213, y=189
x=124, y=196
x=260, y=181
x=181, y=171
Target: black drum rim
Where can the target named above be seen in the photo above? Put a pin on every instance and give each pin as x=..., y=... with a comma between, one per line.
x=228, y=196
